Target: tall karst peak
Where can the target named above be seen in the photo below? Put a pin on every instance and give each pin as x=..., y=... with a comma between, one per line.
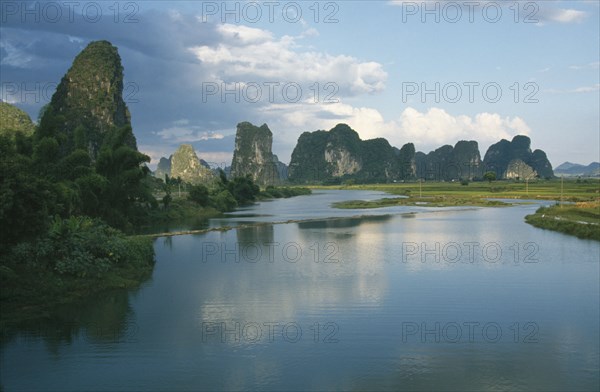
x=253, y=154
x=88, y=101
x=340, y=154
x=512, y=159
x=184, y=164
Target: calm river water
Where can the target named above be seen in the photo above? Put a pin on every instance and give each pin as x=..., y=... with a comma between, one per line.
x=407, y=298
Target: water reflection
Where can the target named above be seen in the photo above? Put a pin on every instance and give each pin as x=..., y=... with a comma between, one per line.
x=390, y=284
x=274, y=274
x=101, y=319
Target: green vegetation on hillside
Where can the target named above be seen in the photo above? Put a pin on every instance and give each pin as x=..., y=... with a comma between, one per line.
x=214, y=198
x=14, y=121
x=68, y=192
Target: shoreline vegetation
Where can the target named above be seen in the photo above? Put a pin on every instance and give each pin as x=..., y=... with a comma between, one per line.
x=580, y=217
x=427, y=201
x=79, y=257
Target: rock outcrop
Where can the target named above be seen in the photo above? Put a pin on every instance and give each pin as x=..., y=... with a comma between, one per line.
x=519, y=170
x=339, y=154
x=500, y=155
x=88, y=101
x=163, y=168
x=185, y=164
x=447, y=163
x=253, y=154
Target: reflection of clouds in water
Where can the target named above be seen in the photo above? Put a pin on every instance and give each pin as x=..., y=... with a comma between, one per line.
x=278, y=290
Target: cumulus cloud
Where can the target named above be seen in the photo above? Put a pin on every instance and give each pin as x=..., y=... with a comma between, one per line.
x=561, y=15
x=428, y=130
x=251, y=54
x=184, y=132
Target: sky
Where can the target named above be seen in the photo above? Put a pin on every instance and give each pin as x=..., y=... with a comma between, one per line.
x=426, y=72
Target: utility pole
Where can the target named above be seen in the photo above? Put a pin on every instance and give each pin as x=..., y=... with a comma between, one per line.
x=420, y=188
x=561, y=190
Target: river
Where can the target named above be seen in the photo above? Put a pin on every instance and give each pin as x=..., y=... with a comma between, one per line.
x=400, y=298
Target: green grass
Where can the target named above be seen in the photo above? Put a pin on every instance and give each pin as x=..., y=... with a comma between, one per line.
x=581, y=220
x=542, y=189
x=431, y=201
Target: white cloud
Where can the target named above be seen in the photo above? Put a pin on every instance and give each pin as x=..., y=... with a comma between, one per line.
x=251, y=54
x=213, y=158
x=578, y=90
x=15, y=57
x=178, y=134
x=562, y=15
x=594, y=65
x=436, y=126
x=218, y=159
x=155, y=152
x=428, y=130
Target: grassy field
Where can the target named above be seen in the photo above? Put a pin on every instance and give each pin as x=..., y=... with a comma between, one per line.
x=579, y=217
x=545, y=190
x=425, y=201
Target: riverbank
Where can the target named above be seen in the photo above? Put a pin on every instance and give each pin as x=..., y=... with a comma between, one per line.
x=80, y=257
x=428, y=201
x=581, y=219
x=77, y=258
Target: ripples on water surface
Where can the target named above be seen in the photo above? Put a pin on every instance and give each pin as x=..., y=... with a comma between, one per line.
x=407, y=298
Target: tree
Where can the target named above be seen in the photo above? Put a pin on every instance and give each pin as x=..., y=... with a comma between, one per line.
x=489, y=176
x=166, y=200
x=123, y=168
x=25, y=200
x=199, y=194
x=243, y=189
x=224, y=201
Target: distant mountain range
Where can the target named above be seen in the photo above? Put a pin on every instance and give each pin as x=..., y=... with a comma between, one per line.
x=569, y=169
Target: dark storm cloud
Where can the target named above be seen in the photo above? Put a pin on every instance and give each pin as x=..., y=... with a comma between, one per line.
x=163, y=78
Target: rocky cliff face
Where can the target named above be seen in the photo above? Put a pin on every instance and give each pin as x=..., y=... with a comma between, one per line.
x=88, y=101
x=13, y=120
x=500, y=155
x=282, y=169
x=186, y=165
x=253, y=155
x=163, y=168
x=340, y=154
x=519, y=170
x=407, y=161
x=447, y=163
x=542, y=165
